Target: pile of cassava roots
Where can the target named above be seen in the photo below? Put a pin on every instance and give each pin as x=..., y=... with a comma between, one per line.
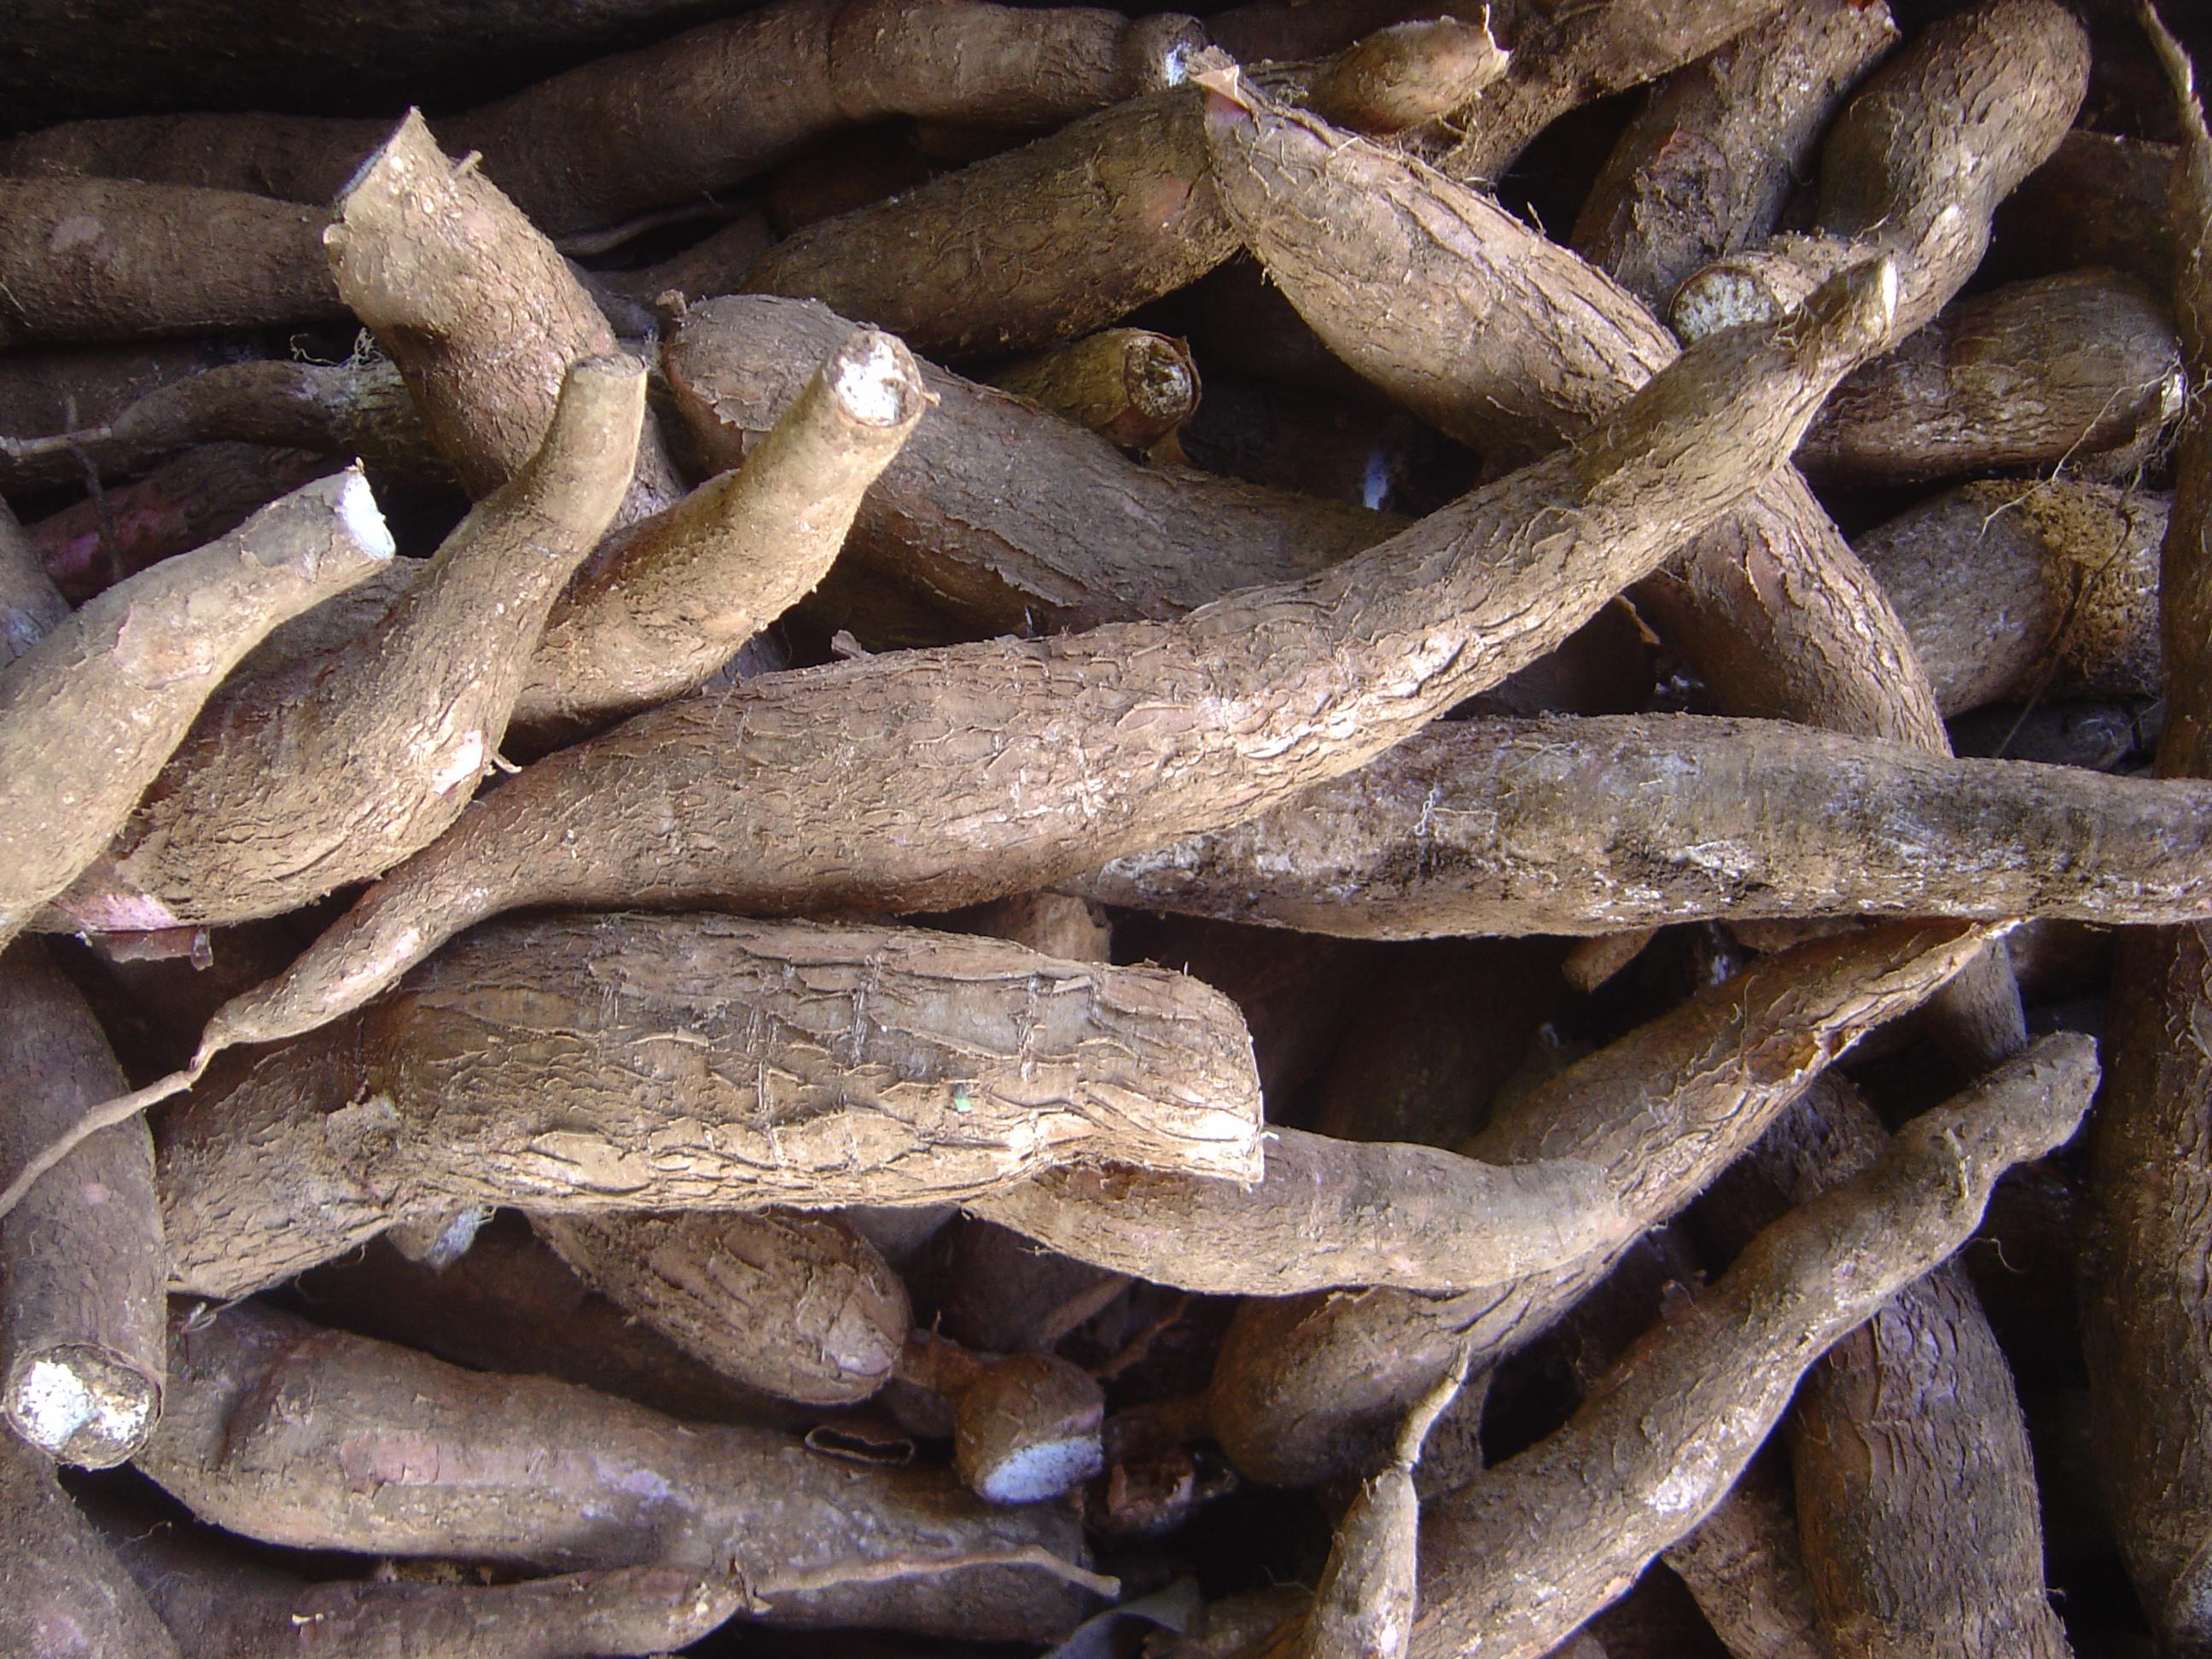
x=909, y=828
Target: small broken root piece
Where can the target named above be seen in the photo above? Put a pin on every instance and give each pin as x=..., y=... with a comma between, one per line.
x=476, y=307
x=1525, y=1553
x=799, y=1306
x=1025, y=1426
x=1130, y=386
x=669, y=601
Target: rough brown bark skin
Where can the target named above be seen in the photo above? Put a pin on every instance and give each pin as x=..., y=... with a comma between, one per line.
x=684, y=117
x=1068, y=749
x=63, y=1594
x=335, y=768
x=1302, y=1382
x=1566, y=56
x=223, y=1605
x=1326, y=1214
x=203, y=494
x=1916, y=1488
x=977, y=261
x=295, y=1435
x=1918, y=162
x=81, y=1262
x=510, y=1304
x=123, y=677
x=353, y=408
x=477, y=308
x=52, y=389
x=104, y=259
x=1514, y=1561
x=1130, y=386
x=660, y=611
x=1405, y=76
x=1502, y=339
x=1592, y=826
x=604, y=1064
x=956, y=519
x=2027, y=590
x=799, y=1306
x=1708, y=163
x=2145, y=1302
x=2059, y=368
x=1745, y=1566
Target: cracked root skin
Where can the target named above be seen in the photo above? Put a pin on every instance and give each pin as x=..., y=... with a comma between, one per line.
x=637, y=1062
x=333, y=768
x=926, y=779
x=1593, y=826
x=82, y=1263
x=2146, y=1304
x=123, y=677
x=1302, y=1382
x=1515, y=1560
x=1326, y=1214
x=295, y=1435
x=799, y=1306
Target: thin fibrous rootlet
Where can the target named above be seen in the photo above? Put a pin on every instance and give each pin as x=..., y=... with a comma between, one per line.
x=929, y=779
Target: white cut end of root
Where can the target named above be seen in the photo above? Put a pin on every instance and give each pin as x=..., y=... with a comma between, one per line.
x=1044, y=1471
x=870, y=382
x=1175, y=64
x=363, y=519
x=1716, y=300
x=54, y=1407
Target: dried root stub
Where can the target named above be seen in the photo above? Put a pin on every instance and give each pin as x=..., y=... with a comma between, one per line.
x=1129, y=385
x=726, y=101
x=295, y=1435
x=1514, y=1561
x=753, y=803
x=801, y=1307
x=1025, y=1426
x=331, y=768
x=82, y=1264
x=90, y=713
x=604, y=1064
x=478, y=310
x=668, y=602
